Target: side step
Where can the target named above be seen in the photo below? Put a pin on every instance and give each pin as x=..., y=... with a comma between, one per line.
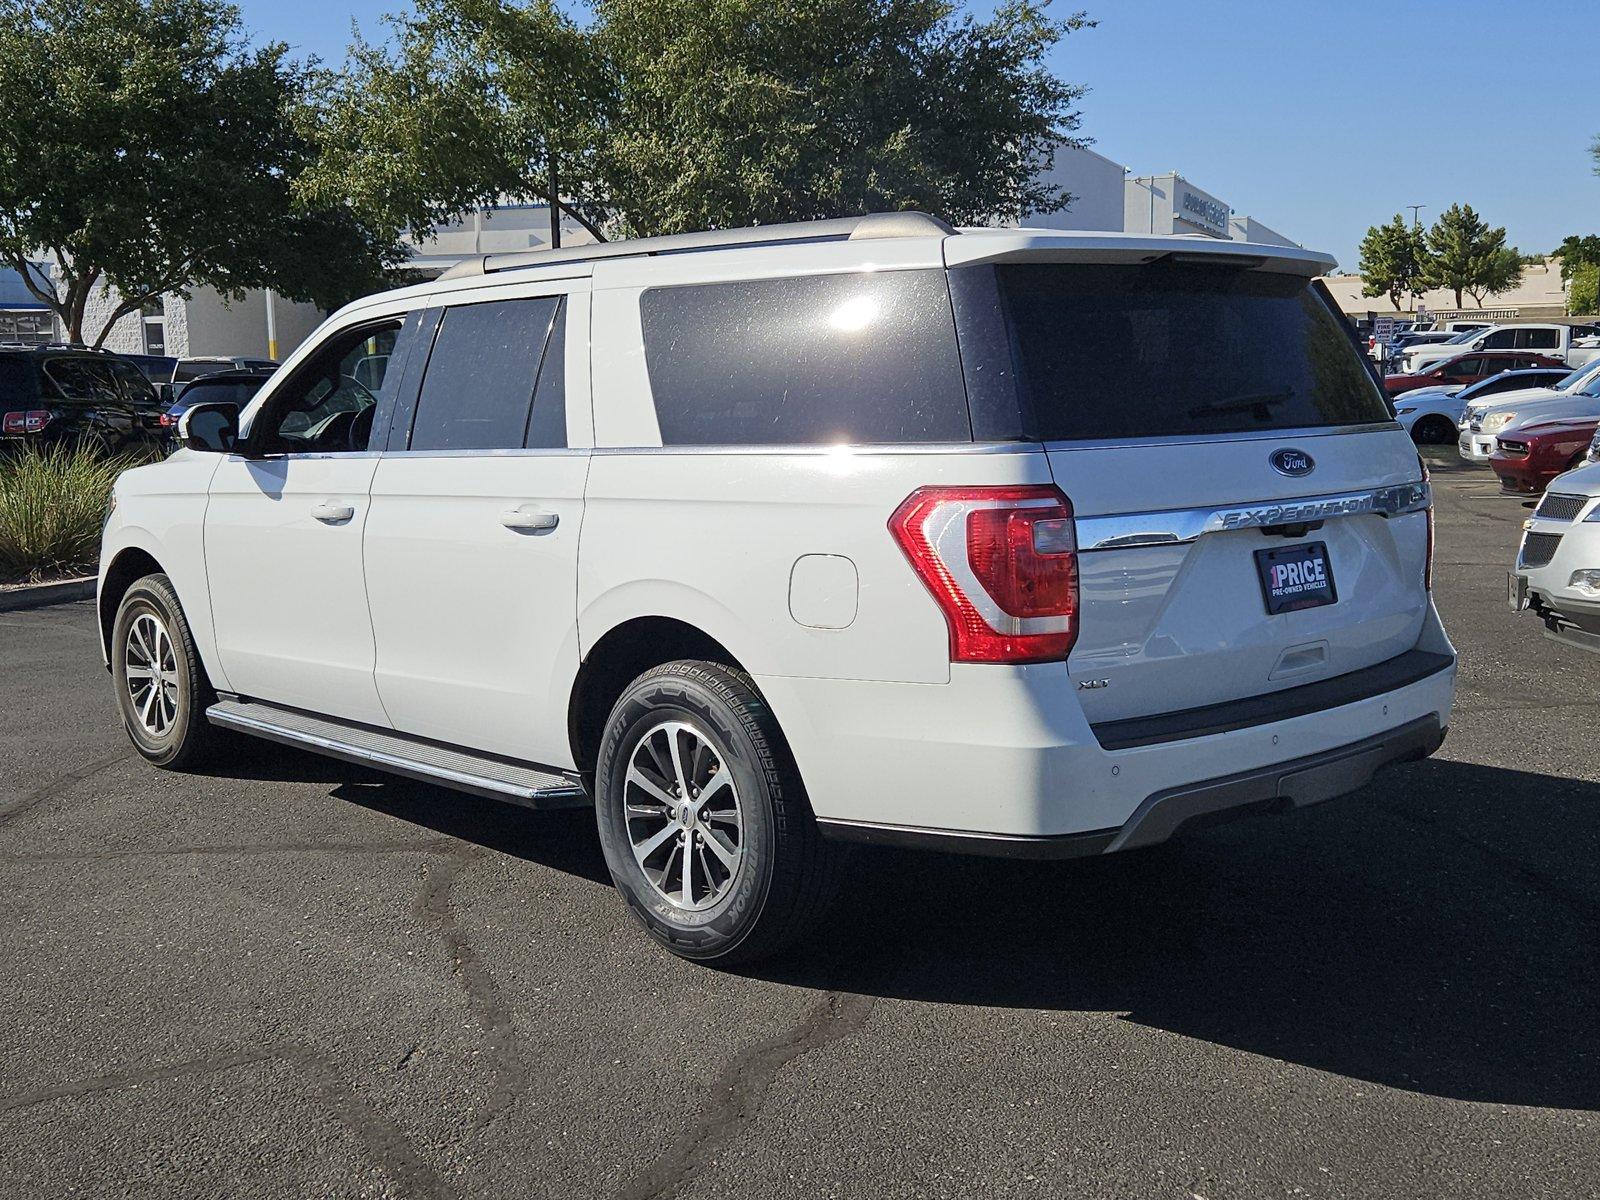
x=399, y=754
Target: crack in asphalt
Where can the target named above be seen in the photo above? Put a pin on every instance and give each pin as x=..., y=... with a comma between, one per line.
x=740, y=1090
x=508, y=1078
x=430, y=846
x=383, y=1142
x=59, y=784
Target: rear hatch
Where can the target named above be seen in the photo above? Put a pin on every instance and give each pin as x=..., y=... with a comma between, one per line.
x=1249, y=515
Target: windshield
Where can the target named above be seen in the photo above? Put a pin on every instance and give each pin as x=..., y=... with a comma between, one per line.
x=1466, y=335
x=1162, y=349
x=1575, y=381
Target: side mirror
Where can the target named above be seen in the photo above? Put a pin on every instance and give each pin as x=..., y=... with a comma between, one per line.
x=210, y=427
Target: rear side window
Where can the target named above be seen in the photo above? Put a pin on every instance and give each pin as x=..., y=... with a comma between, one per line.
x=17, y=380
x=817, y=359
x=477, y=392
x=82, y=379
x=1157, y=350
x=1539, y=339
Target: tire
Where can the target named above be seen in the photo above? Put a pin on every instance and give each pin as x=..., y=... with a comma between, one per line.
x=169, y=727
x=1433, y=431
x=774, y=890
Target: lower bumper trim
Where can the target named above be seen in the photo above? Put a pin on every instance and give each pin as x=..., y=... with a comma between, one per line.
x=1296, y=783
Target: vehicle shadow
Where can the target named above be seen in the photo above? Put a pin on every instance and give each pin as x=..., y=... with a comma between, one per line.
x=1438, y=932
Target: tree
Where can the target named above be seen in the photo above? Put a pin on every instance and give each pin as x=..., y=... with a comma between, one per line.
x=1576, y=252
x=1583, y=296
x=1464, y=253
x=152, y=150
x=1501, y=272
x=659, y=116
x=1392, y=260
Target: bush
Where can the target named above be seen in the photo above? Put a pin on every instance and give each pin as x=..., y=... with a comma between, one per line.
x=1583, y=294
x=52, y=507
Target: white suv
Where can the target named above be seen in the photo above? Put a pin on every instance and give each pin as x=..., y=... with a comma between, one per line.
x=1002, y=541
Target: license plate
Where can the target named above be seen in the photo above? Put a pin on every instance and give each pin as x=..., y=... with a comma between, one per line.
x=1295, y=577
x=1517, y=591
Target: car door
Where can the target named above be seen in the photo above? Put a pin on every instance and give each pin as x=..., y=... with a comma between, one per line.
x=95, y=410
x=471, y=547
x=283, y=534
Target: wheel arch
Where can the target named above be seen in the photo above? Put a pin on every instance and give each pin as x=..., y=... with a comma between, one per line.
x=618, y=657
x=129, y=565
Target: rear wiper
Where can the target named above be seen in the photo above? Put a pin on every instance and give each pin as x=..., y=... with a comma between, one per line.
x=1259, y=403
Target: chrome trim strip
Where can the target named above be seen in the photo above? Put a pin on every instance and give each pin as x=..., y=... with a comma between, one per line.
x=480, y=784
x=1247, y=435
x=867, y=448
x=1180, y=526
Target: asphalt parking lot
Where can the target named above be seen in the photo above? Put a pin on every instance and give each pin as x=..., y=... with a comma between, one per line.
x=298, y=979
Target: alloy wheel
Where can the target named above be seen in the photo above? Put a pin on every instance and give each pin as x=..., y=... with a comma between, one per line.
x=150, y=666
x=681, y=809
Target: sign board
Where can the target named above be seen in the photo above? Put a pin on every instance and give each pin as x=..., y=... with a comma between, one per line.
x=1383, y=329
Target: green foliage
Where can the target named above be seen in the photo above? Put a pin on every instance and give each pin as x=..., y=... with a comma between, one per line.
x=1583, y=292
x=1576, y=252
x=664, y=115
x=1466, y=255
x=1501, y=272
x=1391, y=260
x=153, y=150
x=52, y=505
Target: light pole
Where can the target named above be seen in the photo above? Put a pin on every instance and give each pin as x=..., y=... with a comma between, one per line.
x=272, y=326
x=1416, y=214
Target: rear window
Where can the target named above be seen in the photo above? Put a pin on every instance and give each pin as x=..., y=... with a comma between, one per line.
x=1162, y=349
x=237, y=391
x=858, y=358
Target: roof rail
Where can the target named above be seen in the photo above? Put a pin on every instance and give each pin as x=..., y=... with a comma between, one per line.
x=838, y=229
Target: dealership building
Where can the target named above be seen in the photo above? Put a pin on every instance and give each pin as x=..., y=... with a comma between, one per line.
x=1107, y=196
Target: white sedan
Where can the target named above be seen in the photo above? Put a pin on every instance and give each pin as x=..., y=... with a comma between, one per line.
x=1431, y=415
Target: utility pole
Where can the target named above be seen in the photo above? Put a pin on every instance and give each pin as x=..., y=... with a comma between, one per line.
x=272, y=326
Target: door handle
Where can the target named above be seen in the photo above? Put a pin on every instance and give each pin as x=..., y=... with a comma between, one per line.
x=332, y=512
x=529, y=516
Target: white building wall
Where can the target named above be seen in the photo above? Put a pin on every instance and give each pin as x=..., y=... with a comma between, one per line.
x=1096, y=184
x=126, y=337
x=214, y=325
x=1248, y=229
x=1168, y=204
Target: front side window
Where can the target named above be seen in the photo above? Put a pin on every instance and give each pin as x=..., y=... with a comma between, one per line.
x=1159, y=350
x=866, y=358
x=325, y=408
x=478, y=389
x=1500, y=339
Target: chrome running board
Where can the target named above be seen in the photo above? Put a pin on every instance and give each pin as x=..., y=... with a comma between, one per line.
x=415, y=758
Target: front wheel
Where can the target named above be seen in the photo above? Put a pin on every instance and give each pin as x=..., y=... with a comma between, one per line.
x=705, y=826
x=162, y=689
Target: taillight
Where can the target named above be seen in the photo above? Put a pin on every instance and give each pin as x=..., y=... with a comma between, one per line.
x=24, y=422
x=168, y=420
x=1002, y=563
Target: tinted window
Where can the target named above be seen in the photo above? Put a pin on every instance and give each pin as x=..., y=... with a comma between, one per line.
x=205, y=391
x=478, y=387
x=547, y=423
x=194, y=368
x=17, y=380
x=863, y=358
x=1159, y=350
x=134, y=385
x=1500, y=339
x=1539, y=339
x=82, y=379
x=324, y=408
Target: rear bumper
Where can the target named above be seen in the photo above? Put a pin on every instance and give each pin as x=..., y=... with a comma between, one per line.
x=1298, y=783
x=1003, y=761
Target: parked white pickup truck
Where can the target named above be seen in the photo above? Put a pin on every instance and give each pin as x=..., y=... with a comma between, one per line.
x=1575, y=345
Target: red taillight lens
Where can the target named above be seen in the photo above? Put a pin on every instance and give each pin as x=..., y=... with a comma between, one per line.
x=1002, y=563
x=24, y=422
x=168, y=420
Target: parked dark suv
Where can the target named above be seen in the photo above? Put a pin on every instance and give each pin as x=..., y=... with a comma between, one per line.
x=237, y=388
x=55, y=395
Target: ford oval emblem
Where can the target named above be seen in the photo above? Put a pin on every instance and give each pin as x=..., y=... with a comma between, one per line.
x=1292, y=462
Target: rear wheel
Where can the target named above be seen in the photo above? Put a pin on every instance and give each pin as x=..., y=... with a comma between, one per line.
x=1433, y=431
x=162, y=690
x=705, y=827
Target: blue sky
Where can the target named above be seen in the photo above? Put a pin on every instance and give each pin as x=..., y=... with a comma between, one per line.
x=1319, y=117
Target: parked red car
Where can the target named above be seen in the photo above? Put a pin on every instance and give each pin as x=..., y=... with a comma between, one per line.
x=1468, y=368
x=1534, y=454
